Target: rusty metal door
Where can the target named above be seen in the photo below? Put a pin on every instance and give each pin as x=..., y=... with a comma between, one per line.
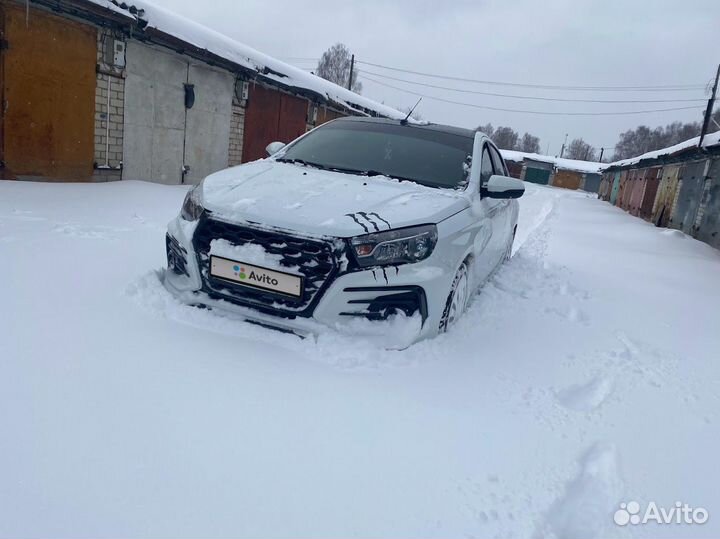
x=49, y=96
x=636, y=194
x=652, y=181
x=688, y=201
x=567, y=179
x=293, y=117
x=662, y=209
x=261, y=122
x=624, y=186
x=709, y=230
x=271, y=116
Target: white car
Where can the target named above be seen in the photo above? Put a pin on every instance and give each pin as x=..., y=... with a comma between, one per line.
x=360, y=218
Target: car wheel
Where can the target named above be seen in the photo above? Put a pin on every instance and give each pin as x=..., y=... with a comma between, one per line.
x=457, y=299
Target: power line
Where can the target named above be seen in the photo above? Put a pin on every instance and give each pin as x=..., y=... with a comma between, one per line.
x=667, y=88
x=537, y=98
x=623, y=113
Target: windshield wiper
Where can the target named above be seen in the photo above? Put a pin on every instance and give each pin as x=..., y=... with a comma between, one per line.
x=302, y=162
x=369, y=173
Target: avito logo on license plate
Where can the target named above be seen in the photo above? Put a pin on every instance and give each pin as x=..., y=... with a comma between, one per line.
x=256, y=276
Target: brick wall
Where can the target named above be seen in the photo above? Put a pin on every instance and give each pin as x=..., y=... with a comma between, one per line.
x=237, y=130
x=109, y=114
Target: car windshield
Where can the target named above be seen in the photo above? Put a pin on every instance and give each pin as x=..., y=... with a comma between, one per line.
x=405, y=152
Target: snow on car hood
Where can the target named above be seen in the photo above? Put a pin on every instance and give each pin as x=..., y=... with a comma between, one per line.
x=322, y=202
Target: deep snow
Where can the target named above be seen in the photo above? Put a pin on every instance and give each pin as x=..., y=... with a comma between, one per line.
x=584, y=375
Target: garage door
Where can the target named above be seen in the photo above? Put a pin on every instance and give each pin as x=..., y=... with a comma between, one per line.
x=164, y=141
x=154, y=115
x=688, y=201
x=271, y=116
x=49, y=91
x=537, y=175
x=567, y=179
x=665, y=196
x=207, y=132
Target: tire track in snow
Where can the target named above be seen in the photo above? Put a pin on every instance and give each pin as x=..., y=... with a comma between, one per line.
x=535, y=209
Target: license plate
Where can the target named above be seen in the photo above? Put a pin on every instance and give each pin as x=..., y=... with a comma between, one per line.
x=256, y=276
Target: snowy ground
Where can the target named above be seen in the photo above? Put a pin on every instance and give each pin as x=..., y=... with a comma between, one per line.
x=586, y=374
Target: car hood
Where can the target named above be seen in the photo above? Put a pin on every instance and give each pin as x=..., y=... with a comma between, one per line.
x=321, y=202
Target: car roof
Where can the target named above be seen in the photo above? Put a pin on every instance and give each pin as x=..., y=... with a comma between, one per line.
x=411, y=123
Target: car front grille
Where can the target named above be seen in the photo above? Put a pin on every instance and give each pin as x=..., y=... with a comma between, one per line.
x=316, y=260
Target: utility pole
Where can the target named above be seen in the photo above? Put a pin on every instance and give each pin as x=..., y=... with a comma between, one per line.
x=709, y=110
x=602, y=151
x=562, y=150
x=352, y=68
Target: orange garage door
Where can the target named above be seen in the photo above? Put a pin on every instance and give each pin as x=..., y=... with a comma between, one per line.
x=49, y=91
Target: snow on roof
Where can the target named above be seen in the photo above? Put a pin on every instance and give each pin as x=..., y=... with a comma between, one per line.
x=107, y=4
x=712, y=139
x=561, y=163
x=225, y=47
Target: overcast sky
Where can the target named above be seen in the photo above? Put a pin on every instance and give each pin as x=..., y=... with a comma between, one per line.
x=554, y=42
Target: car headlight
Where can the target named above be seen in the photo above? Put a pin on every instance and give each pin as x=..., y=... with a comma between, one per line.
x=192, y=206
x=400, y=246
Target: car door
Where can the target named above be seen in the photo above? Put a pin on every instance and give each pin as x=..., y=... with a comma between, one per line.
x=502, y=218
x=485, y=245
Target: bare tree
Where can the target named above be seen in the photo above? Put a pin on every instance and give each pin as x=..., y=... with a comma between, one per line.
x=506, y=138
x=642, y=139
x=334, y=65
x=488, y=129
x=529, y=143
x=579, y=149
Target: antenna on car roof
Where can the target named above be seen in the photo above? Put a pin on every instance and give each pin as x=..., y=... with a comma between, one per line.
x=404, y=120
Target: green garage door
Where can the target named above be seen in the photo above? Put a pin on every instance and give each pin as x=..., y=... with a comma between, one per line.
x=537, y=175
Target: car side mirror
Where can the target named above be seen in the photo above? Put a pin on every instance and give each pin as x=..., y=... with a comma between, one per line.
x=503, y=187
x=274, y=147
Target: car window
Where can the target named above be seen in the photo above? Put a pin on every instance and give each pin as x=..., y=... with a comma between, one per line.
x=486, y=167
x=426, y=156
x=497, y=162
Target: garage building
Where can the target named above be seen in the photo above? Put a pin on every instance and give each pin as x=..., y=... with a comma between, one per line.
x=93, y=90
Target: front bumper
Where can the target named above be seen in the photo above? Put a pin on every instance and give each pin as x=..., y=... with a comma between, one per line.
x=345, y=295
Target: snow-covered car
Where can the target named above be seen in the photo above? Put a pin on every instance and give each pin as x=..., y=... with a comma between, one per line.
x=360, y=218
